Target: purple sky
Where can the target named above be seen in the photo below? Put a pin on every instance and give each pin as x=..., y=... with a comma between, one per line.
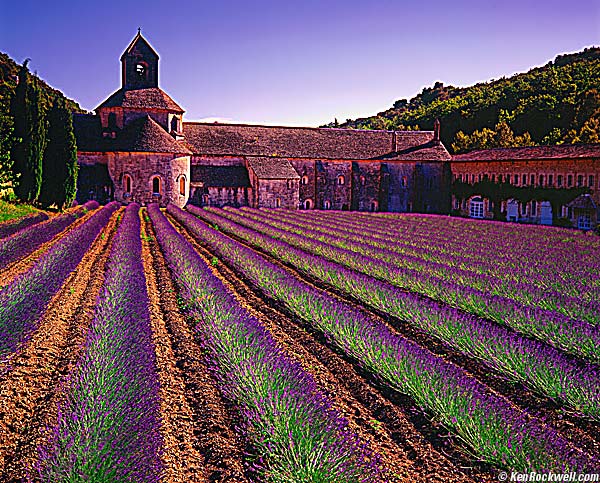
x=300, y=62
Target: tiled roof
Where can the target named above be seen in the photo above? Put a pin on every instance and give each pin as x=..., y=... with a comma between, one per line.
x=139, y=38
x=583, y=202
x=147, y=98
x=563, y=151
x=221, y=176
x=272, y=168
x=141, y=135
x=301, y=142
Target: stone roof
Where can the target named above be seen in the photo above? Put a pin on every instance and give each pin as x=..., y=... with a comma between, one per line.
x=302, y=142
x=563, y=151
x=583, y=202
x=221, y=176
x=147, y=98
x=272, y=168
x=141, y=135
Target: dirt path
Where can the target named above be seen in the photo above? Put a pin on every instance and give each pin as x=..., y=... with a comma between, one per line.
x=30, y=392
x=381, y=423
x=213, y=436
x=181, y=459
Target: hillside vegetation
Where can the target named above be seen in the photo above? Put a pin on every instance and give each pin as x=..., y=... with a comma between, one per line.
x=554, y=104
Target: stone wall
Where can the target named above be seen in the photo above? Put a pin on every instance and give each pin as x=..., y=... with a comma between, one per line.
x=277, y=193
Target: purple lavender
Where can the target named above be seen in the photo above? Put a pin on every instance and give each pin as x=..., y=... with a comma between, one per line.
x=291, y=424
x=108, y=426
x=10, y=228
x=23, y=301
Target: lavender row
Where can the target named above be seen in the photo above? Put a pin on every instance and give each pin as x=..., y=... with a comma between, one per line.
x=574, y=336
x=12, y=227
x=295, y=432
x=570, y=261
x=495, y=430
x=28, y=240
x=108, y=425
x=23, y=301
x=434, y=279
x=539, y=366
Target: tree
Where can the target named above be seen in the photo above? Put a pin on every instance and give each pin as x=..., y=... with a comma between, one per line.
x=6, y=144
x=30, y=128
x=59, y=174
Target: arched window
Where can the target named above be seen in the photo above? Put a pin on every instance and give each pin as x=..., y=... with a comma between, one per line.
x=307, y=204
x=175, y=124
x=141, y=70
x=326, y=205
x=182, y=186
x=373, y=205
x=156, y=185
x=341, y=180
x=476, y=208
x=127, y=184
x=304, y=180
x=278, y=202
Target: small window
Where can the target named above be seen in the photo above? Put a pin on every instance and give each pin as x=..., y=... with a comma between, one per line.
x=327, y=205
x=457, y=204
x=472, y=178
x=476, y=208
x=533, y=207
x=404, y=181
x=278, y=202
x=182, y=186
x=480, y=177
x=591, y=181
x=493, y=178
x=569, y=180
x=559, y=180
x=374, y=206
x=579, y=180
x=304, y=180
x=127, y=184
x=140, y=70
x=524, y=180
x=550, y=180
x=175, y=124
x=516, y=180
x=541, y=180
x=156, y=185
x=532, y=180
x=307, y=204
x=341, y=180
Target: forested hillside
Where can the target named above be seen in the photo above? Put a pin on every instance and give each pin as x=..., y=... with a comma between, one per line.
x=554, y=104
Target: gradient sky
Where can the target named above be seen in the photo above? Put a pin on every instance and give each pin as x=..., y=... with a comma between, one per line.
x=292, y=63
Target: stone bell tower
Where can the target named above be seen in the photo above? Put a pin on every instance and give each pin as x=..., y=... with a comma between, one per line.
x=139, y=65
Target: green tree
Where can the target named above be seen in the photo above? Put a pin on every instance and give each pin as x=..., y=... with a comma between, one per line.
x=30, y=130
x=59, y=173
x=6, y=142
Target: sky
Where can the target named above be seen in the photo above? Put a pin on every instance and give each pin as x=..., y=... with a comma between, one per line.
x=300, y=63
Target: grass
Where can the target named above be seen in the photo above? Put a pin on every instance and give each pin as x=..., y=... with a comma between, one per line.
x=11, y=211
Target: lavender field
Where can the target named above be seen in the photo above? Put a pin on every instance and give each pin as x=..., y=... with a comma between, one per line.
x=244, y=345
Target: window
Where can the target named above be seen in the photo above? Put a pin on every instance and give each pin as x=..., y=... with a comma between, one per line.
x=516, y=180
x=472, y=178
x=532, y=180
x=559, y=180
x=524, y=180
x=480, y=177
x=490, y=205
x=591, y=181
x=156, y=185
x=533, y=207
x=584, y=221
x=182, y=186
x=305, y=180
x=579, y=180
x=476, y=208
x=175, y=124
x=205, y=200
x=127, y=184
x=550, y=180
x=569, y=180
x=341, y=180
x=541, y=180
x=141, y=70
x=494, y=178
x=404, y=181
x=307, y=204
x=373, y=205
x=457, y=204
x=326, y=205
x=278, y=202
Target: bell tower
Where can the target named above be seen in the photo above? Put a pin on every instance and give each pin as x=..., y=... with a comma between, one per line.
x=139, y=65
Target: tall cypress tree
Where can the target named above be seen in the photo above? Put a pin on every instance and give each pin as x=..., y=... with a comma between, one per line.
x=59, y=173
x=30, y=127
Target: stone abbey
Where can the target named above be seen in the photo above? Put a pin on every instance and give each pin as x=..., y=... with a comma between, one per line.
x=137, y=147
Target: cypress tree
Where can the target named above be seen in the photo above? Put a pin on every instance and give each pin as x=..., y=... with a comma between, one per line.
x=30, y=128
x=59, y=173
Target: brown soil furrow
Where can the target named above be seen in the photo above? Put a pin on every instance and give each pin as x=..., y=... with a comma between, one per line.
x=213, y=435
x=30, y=393
x=375, y=419
x=181, y=460
x=584, y=434
x=10, y=272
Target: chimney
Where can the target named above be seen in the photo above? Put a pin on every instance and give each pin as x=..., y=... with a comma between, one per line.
x=436, y=130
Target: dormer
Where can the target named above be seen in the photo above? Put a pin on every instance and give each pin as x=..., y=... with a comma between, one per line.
x=139, y=65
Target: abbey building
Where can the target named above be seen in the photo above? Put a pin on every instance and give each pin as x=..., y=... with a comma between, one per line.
x=138, y=147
